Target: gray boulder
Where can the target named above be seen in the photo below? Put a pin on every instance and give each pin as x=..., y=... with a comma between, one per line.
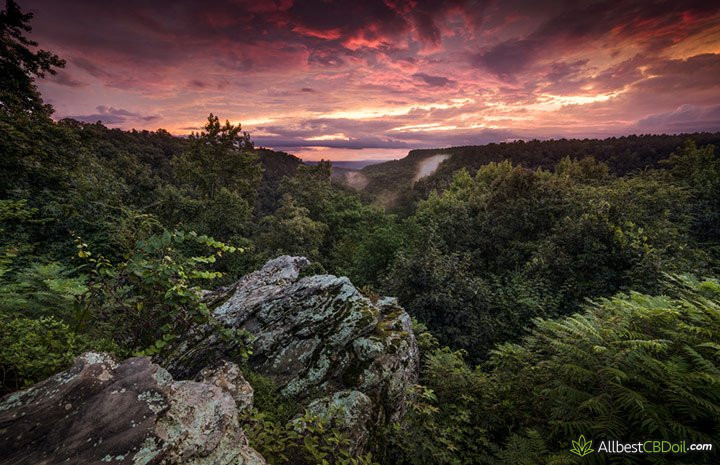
x=100, y=411
x=322, y=341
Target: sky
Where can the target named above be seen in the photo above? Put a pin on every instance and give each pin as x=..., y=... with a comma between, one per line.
x=373, y=79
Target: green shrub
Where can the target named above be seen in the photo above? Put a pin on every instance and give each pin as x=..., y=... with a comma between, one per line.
x=305, y=440
x=267, y=398
x=154, y=295
x=42, y=289
x=628, y=367
x=33, y=349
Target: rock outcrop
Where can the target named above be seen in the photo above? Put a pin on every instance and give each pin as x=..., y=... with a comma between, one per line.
x=100, y=411
x=325, y=344
x=331, y=349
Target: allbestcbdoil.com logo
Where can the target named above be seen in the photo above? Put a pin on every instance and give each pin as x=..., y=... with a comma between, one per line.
x=583, y=447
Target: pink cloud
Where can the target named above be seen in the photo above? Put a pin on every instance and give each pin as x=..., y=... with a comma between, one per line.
x=386, y=74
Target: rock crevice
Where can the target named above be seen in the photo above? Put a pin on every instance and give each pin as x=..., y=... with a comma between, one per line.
x=315, y=336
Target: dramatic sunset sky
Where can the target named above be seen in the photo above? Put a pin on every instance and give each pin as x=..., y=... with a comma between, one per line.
x=372, y=78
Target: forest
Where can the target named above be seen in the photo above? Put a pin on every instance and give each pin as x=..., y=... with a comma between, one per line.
x=552, y=297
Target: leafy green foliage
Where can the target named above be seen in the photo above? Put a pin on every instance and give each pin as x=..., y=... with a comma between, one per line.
x=154, y=295
x=21, y=62
x=32, y=349
x=441, y=426
x=352, y=238
x=305, y=440
x=139, y=304
x=42, y=289
x=268, y=400
x=391, y=183
x=217, y=158
x=290, y=231
x=497, y=249
x=631, y=366
x=698, y=170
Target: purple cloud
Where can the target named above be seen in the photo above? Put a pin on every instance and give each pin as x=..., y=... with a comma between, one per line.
x=113, y=116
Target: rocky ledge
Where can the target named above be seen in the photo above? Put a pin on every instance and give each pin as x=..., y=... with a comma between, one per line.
x=329, y=348
x=101, y=411
x=325, y=344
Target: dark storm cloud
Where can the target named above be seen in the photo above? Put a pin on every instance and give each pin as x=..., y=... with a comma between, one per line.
x=698, y=72
x=673, y=83
x=656, y=24
x=90, y=67
x=325, y=58
x=509, y=57
x=374, y=22
x=142, y=33
x=65, y=79
x=372, y=18
x=567, y=78
x=562, y=71
x=197, y=83
x=434, y=81
x=620, y=74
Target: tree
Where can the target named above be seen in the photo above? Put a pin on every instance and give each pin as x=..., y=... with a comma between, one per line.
x=19, y=64
x=460, y=271
x=290, y=231
x=350, y=224
x=219, y=157
x=40, y=159
x=215, y=181
x=698, y=169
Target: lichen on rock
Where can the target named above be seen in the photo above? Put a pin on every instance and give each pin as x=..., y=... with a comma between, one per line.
x=315, y=336
x=351, y=411
x=229, y=378
x=326, y=346
x=101, y=411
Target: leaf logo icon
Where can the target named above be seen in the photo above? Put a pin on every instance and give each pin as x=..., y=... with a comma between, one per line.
x=581, y=447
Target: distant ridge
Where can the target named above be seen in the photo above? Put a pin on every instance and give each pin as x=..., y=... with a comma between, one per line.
x=397, y=184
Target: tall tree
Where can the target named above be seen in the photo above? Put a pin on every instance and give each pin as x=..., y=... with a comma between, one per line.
x=219, y=157
x=20, y=65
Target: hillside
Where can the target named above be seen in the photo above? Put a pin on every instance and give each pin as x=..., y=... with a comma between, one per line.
x=396, y=184
x=197, y=300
